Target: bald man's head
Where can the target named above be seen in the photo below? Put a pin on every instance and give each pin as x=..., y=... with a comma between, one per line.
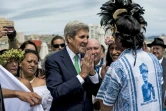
x=95, y=46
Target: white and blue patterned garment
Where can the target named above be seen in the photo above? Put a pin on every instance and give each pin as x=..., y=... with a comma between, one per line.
x=133, y=88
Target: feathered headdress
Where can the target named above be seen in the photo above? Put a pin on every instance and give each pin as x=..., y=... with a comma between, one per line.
x=112, y=9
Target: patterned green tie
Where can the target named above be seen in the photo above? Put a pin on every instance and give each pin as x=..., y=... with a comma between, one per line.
x=76, y=64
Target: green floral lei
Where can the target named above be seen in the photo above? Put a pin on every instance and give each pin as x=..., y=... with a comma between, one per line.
x=11, y=54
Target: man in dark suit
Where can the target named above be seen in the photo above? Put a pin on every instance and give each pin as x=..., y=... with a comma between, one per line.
x=71, y=78
x=158, y=49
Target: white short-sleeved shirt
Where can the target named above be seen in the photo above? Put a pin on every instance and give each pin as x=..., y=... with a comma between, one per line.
x=133, y=88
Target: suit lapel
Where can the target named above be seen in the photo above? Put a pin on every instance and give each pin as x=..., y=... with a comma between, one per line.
x=68, y=62
x=163, y=62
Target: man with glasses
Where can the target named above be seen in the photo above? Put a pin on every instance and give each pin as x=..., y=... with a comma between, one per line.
x=57, y=44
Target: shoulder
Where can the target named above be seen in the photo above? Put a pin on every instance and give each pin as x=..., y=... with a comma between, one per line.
x=149, y=84
x=39, y=82
x=152, y=56
x=164, y=59
x=117, y=70
x=117, y=64
x=56, y=55
x=26, y=83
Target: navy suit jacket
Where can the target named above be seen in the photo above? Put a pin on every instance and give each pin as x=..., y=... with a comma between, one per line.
x=67, y=92
x=164, y=78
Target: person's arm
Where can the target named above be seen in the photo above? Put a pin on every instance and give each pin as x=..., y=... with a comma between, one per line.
x=30, y=97
x=58, y=87
x=94, y=77
x=103, y=71
x=92, y=82
x=104, y=107
x=110, y=88
x=13, y=42
x=59, y=80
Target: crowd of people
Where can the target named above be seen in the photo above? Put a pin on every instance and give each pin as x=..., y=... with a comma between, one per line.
x=80, y=74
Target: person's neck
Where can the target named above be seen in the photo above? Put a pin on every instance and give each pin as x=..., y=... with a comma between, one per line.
x=72, y=49
x=29, y=78
x=97, y=62
x=160, y=58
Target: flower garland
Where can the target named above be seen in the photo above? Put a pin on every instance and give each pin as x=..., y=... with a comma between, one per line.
x=11, y=54
x=109, y=40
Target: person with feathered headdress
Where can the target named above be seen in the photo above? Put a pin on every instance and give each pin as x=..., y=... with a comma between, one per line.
x=123, y=88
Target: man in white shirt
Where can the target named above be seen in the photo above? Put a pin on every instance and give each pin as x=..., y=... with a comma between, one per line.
x=70, y=75
x=132, y=82
x=158, y=49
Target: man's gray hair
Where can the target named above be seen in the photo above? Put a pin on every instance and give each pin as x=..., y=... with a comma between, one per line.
x=73, y=27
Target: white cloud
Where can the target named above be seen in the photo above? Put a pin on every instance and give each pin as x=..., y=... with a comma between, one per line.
x=155, y=16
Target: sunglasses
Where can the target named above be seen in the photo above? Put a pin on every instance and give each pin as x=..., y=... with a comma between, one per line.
x=57, y=45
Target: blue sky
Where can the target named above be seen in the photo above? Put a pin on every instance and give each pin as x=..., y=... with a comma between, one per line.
x=51, y=16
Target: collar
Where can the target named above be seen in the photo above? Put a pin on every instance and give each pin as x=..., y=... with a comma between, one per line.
x=71, y=53
x=129, y=51
x=161, y=60
x=100, y=63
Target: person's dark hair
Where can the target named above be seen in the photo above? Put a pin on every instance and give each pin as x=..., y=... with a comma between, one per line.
x=23, y=45
x=103, y=48
x=73, y=27
x=108, y=57
x=3, y=50
x=55, y=38
x=129, y=32
x=125, y=19
x=27, y=51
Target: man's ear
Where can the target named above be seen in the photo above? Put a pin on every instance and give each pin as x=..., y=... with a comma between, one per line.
x=163, y=49
x=20, y=64
x=70, y=39
x=52, y=47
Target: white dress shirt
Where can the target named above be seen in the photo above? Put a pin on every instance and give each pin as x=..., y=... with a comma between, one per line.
x=94, y=79
x=161, y=60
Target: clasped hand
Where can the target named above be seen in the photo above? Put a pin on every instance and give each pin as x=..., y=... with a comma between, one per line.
x=87, y=65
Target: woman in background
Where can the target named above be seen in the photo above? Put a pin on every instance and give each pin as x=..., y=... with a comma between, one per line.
x=32, y=46
x=112, y=54
x=28, y=67
x=10, y=59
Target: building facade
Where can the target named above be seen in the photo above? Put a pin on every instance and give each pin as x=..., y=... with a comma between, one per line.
x=97, y=32
x=4, y=40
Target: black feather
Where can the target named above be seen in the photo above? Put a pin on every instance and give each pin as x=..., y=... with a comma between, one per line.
x=108, y=9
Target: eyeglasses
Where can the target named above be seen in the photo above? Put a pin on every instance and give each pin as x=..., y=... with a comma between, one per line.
x=57, y=45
